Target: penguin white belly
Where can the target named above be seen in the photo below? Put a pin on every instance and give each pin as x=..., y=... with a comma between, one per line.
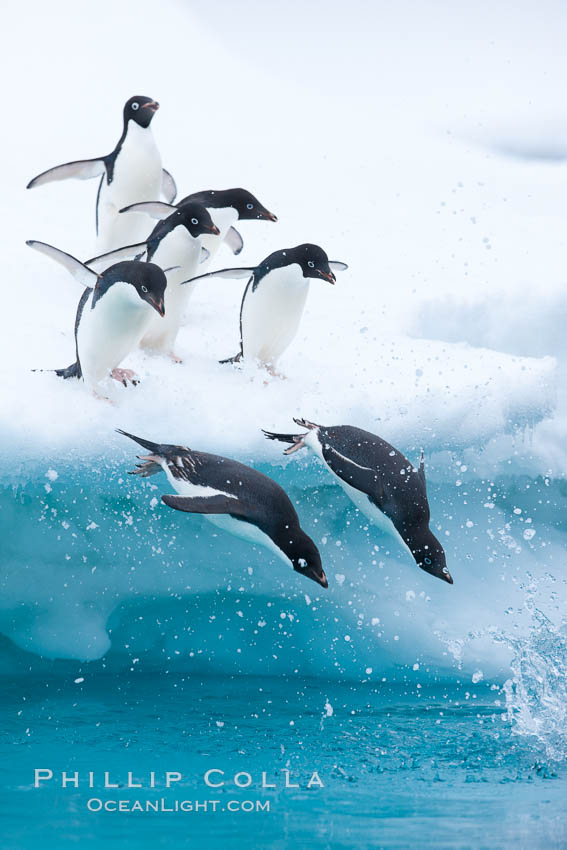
x=178, y=248
x=224, y=218
x=271, y=314
x=247, y=531
x=357, y=497
x=374, y=514
x=238, y=528
x=110, y=331
x=137, y=177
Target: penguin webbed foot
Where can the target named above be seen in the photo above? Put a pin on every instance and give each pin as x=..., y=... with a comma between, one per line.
x=297, y=440
x=271, y=370
x=149, y=466
x=123, y=376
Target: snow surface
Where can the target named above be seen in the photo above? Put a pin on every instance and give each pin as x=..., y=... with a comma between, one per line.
x=369, y=130
x=423, y=143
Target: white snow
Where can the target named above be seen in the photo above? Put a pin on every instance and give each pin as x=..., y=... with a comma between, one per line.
x=383, y=136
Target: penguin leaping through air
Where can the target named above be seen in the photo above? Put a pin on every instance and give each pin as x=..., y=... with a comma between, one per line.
x=131, y=172
x=174, y=244
x=274, y=300
x=114, y=312
x=236, y=498
x=226, y=207
x=382, y=483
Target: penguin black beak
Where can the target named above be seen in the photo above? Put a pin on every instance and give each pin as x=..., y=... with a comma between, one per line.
x=214, y=229
x=153, y=105
x=328, y=276
x=318, y=578
x=158, y=305
x=268, y=215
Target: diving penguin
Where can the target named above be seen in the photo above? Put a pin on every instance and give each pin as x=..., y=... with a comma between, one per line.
x=226, y=206
x=274, y=299
x=114, y=312
x=174, y=244
x=131, y=172
x=236, y=498
x=381, y=482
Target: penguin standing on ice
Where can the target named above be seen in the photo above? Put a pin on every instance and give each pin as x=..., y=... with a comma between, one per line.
x=226, y=207
x=236, y=498
x=381, y=482
x=114, y=312
x=274, y=299
x=132, y=172
x=174, y=244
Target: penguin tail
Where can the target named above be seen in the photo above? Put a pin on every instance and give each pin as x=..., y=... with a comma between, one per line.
x=296, y=440
x=236, y=359
x=72, y=371
x=146, y=444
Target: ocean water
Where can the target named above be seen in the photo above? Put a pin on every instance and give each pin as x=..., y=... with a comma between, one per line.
x=436, y=766
x=139, y=639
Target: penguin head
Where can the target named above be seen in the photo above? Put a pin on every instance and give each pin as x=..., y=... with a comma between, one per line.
x=313, y=261
x=148, y=282
x=247, y=205
x=429, y=555
x=140, y=109
x=306, y=559
x=196, y=218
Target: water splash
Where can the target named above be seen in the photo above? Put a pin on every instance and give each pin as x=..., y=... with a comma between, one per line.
x=536, y=693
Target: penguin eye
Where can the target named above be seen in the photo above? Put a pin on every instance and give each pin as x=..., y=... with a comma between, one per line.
x=144, y=288
x=135, y=105
x=427, y=560
x=194, y=221
x=249, y=206
x=311, y=264
x=302, y=563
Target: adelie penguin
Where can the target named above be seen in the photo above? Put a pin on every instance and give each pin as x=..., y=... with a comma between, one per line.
x=114, y=312
x=226, y=207
x=274, y=299
x=174, y=244
x=381, y=482
x=131, y=172
x=236, y=498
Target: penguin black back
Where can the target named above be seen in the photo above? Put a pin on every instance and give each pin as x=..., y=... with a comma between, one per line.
x=212, y=484
x=372, y=466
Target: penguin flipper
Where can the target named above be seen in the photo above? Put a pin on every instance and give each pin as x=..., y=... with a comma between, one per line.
x=337, y=266
x=82, y=274
x=219, y=504
x=363, y=478
x=233, y=274
x=421, y=468
x=204, y=255
x=81, y=169
x=168, y=186
x=234, y=240
x=156, y=209
x=128, y=252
